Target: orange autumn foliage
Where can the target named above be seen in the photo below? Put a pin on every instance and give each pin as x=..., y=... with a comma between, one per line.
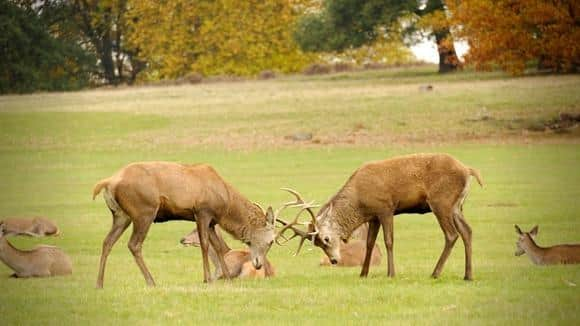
x=513, y=33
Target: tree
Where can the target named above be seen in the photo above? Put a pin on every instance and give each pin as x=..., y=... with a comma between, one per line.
x=103, y=24
x=98, y=27
x=513, y=33
x=342, y=24
x=177, y=37
x=35, y=56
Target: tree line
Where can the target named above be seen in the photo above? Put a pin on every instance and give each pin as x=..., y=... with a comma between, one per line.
x=71, y=44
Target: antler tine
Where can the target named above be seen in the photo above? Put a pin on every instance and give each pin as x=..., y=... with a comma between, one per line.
x=295, y=193
x=300, y=201
x=297, y=202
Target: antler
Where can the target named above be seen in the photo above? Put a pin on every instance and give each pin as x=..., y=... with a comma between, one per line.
x=299, y=202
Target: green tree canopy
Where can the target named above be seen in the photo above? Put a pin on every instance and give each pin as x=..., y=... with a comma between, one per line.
x=35, y=59
x=341, y=24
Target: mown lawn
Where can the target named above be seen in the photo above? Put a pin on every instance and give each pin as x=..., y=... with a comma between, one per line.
x=54, y=147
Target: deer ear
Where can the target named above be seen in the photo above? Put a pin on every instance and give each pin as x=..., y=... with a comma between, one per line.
x=534, y=231
x=518, y=230
x=270, y=215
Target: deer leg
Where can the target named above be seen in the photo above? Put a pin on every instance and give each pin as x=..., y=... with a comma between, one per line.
x=120, y=223
x=387, y=223
x=465, y=232
x=445, y=219
x=374, y=226
x=203, y=221
x=140, y=229
x=219, y=249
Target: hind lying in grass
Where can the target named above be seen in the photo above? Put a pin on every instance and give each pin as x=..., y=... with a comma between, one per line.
x=34, y=227
x=238, y=261
x=41, y=261
x=559, y=254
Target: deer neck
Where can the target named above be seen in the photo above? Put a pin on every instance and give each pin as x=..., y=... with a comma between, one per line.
x=242, y=217
x=11, y=256
x=346, y=217
x=535, y=252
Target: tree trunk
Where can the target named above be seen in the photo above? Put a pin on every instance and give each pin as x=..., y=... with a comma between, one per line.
x=448, y=60
x=107, y=61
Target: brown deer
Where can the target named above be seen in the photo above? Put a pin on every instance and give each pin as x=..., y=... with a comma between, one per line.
x=148, y=192
x=42, y=261
x=352, y=253
x=560, y=254
x=377, y=191
x=35, y=226
x=238, y=261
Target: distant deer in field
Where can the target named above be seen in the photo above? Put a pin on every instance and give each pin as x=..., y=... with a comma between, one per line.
x=353, y=252
x=560, y=254
x=151, y=192
x=35, y=226
x=238, y=261
x=42, y=261
x=377, y=191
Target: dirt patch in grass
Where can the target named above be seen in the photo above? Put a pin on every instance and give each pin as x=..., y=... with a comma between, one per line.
x=503, y=204
x=355, y=138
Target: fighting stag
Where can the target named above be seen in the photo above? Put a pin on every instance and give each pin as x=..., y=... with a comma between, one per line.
x=377, y=191
x=151, y=192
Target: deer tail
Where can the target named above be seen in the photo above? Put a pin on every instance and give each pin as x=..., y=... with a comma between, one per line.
x=477, y=176
x=99, y=186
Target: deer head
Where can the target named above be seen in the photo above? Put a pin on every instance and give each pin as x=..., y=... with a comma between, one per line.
x=192, y=239
x=525, y=240
x=261, y=238
x=328, y=238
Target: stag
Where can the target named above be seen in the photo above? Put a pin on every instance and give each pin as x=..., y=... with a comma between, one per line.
x=378, y=191
x=152, y=192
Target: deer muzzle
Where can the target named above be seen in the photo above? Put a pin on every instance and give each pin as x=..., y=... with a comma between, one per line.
x=257, y=263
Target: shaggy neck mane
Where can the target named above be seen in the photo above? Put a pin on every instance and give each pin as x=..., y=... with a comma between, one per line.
x=243, y=216
x=346, y=217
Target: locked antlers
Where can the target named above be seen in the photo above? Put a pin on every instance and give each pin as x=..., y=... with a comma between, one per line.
x=304, y=206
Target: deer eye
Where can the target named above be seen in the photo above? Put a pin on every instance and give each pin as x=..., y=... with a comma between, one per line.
x=327, y=240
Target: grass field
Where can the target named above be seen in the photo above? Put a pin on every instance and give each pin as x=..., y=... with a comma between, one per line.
x=54, y=147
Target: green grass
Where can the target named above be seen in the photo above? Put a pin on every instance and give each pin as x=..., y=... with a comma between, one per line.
x=54, y=147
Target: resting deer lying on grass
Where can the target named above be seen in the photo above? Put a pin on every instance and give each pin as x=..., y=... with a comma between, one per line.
x=238, y=261
x=41, y=261
x=352, y=253
x=377, y=191
x=560, y=254
x=36, y=226
x=148, y=192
